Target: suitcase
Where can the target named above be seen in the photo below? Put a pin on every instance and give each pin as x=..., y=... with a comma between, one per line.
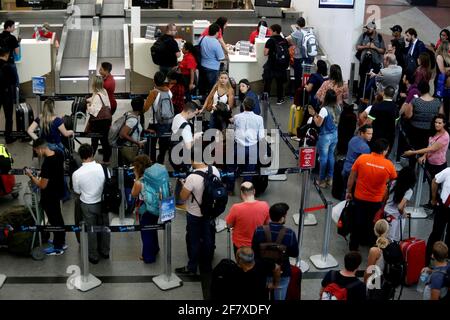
x=337, y=190
x=7, y=184
x=24, y=116
x=346, y=128
x=414, y=253
x=79, y=105
x=294, y=291
x=295, y=119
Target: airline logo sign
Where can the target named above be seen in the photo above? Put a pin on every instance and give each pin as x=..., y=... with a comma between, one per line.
x=307, y=159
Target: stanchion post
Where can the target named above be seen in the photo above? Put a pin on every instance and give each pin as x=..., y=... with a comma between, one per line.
x=325, y=260
x=85, y=281
x=303, y=265
x=168, y=280
x=418, y=212
x=2, y=280
x=265, y=111
x=122, y=221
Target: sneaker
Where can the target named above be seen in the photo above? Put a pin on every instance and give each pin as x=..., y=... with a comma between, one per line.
x=65, y=246
x=184, y=271
x=51, y=251
x=93, y=261
x=323, y=184
x=104, y=256
x=330, y=182
x=281, y=101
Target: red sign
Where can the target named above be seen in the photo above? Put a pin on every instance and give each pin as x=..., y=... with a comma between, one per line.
x=307, y=159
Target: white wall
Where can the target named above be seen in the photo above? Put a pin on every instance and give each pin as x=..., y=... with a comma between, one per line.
x=336, y=30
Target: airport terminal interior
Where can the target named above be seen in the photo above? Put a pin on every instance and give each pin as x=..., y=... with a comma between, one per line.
x=86, y=33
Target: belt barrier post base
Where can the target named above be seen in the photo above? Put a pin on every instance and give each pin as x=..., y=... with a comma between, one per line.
x=417, y=213
x=310, y=219
x=278, y=177
x=2, y=280
x=220, y=225
x=303, y=265
x=90, y=282
x=166, y=283
x=321, y=262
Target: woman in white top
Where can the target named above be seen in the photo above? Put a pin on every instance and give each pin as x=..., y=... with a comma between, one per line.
x=375, y=261
x=221, y=92
x=99, y=109
x=400, y=193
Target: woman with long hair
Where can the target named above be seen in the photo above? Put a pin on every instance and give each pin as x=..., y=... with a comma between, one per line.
x=100, y=117
x=327, y=120
x=336, y=83
x=255, y=33
x=400, y=193
x=221, y=92
x=375, y=260
x=150, y=245
x=443, y=70
x=423, y=72
x=315, y=82
x=52, y=127
x=435, y=155
x=245, y=91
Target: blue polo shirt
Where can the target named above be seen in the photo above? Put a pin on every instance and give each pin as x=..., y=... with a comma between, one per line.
x=356, y=147
x=212, y=53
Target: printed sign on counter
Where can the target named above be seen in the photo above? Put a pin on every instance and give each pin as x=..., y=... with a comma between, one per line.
x=262, y=32
x=38, y=85
x=167, y=209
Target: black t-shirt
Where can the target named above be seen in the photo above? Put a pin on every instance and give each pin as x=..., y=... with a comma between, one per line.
x=316, y=80
x=53, y=170
x=356, y=292
x=7, y=79
x=252, y=285
x=171, y=49
x=383, y=116
x=271, y=44
x=11, y=43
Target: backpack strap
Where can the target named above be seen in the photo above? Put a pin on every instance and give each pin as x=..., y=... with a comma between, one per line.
x=203, y=175
x=281, y=235
x=127, y=116
x=105, y=172
x=267, y=233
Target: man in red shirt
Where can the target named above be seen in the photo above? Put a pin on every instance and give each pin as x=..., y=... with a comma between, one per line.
x=245, y=217
x=371, y=173
x=109, y=84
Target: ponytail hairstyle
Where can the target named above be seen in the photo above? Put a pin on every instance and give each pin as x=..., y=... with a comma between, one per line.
x=381, y=230
x=48, y=112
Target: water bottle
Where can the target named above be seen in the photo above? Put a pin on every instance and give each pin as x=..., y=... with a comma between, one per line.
x=422, y=281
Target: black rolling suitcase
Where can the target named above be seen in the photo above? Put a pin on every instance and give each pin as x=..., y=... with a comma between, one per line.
x=24, y=116
x=337, y=191
x=79, y=105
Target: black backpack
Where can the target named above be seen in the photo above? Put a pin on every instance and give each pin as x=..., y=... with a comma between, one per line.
x=198, y=52
x=222, y=280
x=111, y=196
x=394, y=266
x=282, y=57
x=215, y=195
x=158, y=51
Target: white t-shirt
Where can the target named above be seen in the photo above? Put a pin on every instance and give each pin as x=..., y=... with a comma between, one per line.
x=194, y=183
x=88, y=182
x=323, y=113
x=444, y=178
x=367, y=110
x=131, y=123
x=187, y=133
x=391, y=207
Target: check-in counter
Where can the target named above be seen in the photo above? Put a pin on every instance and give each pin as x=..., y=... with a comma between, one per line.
x=37, y=60
x=240, y=66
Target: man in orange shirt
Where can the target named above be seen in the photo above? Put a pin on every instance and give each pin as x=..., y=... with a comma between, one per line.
x=371, y=172
x=245, y=217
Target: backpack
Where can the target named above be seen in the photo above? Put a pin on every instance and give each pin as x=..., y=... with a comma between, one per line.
x=394, y=266
x=309, y=44
x=215, y=195
x=156, y=186
x=6, y=160
x=274, y=252
x=198, y=52
x=157, y=51
x=333, y=291
x=282, y=56
x=164, y=112
x=344, y=225
x=111, y=195
x=114, y=131
x=222, y=280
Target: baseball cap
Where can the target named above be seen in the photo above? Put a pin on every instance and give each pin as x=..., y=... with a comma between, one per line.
x=371, y=25
x=396, y=28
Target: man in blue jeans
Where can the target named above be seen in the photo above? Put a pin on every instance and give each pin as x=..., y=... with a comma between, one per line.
x=211, y=53
x=277, y=214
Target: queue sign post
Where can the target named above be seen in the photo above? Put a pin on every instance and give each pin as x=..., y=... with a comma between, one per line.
x=38, y=88
x=168, y=280
x=307, y=162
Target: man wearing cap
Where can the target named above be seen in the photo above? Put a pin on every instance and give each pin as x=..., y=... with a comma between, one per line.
x=397, y=34
x=370, y=50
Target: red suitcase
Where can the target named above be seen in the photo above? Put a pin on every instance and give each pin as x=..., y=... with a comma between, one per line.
x=414, y=253
x=7, y=184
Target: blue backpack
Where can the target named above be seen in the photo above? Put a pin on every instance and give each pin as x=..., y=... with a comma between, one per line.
x=156, y=186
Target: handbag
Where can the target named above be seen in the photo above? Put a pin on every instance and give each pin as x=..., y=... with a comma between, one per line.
x=103, y=114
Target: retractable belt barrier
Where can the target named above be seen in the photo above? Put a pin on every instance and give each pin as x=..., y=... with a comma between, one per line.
x=86, y=281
